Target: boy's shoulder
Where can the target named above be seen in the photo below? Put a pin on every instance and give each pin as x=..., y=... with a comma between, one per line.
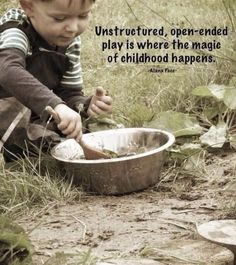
x=11, y=36
x=13, y=15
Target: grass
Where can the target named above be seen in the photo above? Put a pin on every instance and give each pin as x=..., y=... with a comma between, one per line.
x=6, y=4
x=23, y=188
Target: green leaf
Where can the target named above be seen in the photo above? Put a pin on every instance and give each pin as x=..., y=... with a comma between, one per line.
x=227, y=94
x=202, y=91
x=212, y=90
x=216, y=136
x=178, y=123
x=211, y=112
x=217, y=91
x=190, y=149
x=185, y=150
x=191, y=154
x=230, y=97
x=101, y=122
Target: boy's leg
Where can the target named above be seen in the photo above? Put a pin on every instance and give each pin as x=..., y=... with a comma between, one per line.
x=9, y=108
x=43, y=136
x=27, y=138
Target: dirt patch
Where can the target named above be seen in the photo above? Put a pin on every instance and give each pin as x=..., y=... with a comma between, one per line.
x=157, y=225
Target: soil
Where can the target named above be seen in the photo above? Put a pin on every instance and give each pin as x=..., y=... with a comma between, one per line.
x=155, y=226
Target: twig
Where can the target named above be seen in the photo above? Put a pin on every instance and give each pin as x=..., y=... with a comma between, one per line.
x=42, y=142
x=83, y=224
x=177, y=225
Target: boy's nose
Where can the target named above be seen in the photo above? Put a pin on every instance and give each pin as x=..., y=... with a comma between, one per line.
x=72, y=26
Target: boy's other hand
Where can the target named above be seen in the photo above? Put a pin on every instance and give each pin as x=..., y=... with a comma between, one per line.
x=100, y=103
x=70, y=122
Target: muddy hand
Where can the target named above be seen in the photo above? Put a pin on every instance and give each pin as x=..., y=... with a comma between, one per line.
x=100, y=103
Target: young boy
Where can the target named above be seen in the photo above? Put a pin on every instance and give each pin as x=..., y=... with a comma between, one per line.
x=40, y=65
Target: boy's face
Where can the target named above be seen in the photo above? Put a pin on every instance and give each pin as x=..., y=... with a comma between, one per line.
x=57, y=21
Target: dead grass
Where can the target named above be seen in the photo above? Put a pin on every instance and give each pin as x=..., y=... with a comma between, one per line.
x=6, y=4
x=24, y=189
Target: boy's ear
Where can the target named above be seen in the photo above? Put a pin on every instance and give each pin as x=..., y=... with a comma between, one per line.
x=27, y=6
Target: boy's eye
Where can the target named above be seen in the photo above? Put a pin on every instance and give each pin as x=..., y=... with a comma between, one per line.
x=84, y=16
x=59, y=19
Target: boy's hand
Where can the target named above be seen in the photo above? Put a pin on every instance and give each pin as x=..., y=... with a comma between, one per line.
x=100, y=103
x=70, y=122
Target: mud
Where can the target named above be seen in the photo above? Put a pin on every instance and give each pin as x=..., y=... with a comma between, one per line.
x=155, y=226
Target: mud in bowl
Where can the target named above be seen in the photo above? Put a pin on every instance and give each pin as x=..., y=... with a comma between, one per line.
x=140, y=156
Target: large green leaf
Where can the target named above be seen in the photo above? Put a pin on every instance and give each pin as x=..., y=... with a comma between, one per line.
x=227, y=94
x=189, y=149
x=215, y=136
x=230, y=97
x=178, y=123
x=186, y=150
x=101, y=122
x=212, y=90
x=191, y=154
x=202, y=91
x=211, y=112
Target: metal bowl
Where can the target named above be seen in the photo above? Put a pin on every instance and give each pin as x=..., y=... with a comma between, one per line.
x=138, y=167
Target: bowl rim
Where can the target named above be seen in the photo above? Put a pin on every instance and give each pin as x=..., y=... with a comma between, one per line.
x=170, y=141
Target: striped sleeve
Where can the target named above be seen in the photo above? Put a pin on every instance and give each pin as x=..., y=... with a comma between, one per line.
x=73, y=77
x=14, y=38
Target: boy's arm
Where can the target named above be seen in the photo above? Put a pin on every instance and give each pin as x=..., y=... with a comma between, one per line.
x=73, y=97
x=18, y=82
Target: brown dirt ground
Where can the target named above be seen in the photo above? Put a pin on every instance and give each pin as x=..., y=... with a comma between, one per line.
x=155, y=226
